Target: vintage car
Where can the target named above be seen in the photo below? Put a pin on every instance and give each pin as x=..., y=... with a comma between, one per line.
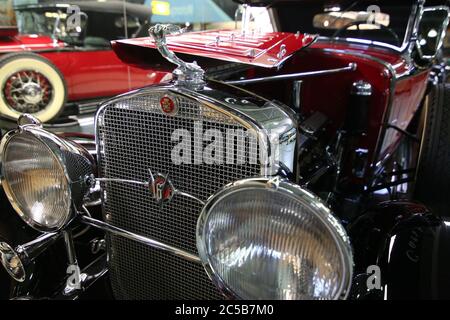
x=306, y=163
x=46, y=63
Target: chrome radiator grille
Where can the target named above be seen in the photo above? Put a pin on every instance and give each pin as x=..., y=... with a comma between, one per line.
x=135, y=136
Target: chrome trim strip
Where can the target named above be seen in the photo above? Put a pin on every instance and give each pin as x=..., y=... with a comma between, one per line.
x=296, y=94
x=27, y=252
x=189, y=196
x=148, y=184
x=136, y=237
x=122, y=181
x=351, y=67
x=442, y=35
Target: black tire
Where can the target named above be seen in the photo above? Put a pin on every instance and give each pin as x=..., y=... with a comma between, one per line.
x=433, y=174
x=47, y=102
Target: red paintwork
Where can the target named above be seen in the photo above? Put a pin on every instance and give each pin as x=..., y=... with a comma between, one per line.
x=407, y=98
x=327, y=94
x=91, y=74
x=29, y=43
x=8, y=31
x=330, y=94
x=88, y=74
x=263, y=50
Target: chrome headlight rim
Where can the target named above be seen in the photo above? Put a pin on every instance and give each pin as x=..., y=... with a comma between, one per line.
x=281, y=185
x=7, y=251
x=56, y=146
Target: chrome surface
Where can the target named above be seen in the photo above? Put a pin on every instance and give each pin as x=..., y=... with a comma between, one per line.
x=75, y=162
x=334, y=226
x=25, y=253
x=310, y=128
x=74, y=282
x=142, y=183
x=138, y=238
x=349, y=68
x=11, y=262
x=245, y=19
x=97, y=245
x=297, y=94
x=70, y=248
x=90, y=275
x=153, y=187
x=190, y=74
x=441, y=36
x=30, y=250
x=133, y=136
x=27, y=119
x=361, y=88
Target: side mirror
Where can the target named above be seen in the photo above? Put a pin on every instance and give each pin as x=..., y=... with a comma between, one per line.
x=431, y=31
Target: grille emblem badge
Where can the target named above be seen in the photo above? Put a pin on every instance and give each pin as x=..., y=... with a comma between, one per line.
x=168, y=106
x=161, y=188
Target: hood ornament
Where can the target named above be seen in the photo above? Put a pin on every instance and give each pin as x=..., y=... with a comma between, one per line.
x=187, y=73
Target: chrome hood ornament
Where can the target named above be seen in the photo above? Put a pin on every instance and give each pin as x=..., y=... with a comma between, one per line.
x=187, y=73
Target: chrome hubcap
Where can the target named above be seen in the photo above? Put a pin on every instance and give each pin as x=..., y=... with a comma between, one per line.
x=32, y=93
x=27, y=91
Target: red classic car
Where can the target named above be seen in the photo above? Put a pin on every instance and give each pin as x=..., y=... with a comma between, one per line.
x=46, y=64
x=274, y=165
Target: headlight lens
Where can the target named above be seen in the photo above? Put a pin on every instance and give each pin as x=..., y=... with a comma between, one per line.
x=261, y=242
x=12, y=263
x=35, y=182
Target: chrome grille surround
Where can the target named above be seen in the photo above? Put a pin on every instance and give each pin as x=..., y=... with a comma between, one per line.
x=133, y=135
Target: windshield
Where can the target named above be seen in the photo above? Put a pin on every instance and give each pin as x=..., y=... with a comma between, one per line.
x=104, y=21
x=43, y=22
x=385, y=22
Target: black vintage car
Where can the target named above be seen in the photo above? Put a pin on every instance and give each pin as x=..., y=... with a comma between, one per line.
x=306, y=163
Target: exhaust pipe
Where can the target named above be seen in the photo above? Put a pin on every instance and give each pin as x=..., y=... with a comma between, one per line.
x=16, y=260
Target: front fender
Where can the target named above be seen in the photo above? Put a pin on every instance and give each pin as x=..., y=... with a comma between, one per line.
x=410, y=246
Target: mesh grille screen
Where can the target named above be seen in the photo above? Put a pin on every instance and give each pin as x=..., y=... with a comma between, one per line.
x=135, y=136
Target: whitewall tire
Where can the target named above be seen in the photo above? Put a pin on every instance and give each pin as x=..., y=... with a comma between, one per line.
x=30, y=83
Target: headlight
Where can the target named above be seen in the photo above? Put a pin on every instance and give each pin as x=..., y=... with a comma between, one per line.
x=264, y=240
x=41, y=175
x=12, y=263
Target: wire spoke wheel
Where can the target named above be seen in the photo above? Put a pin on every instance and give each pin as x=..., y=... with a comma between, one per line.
x=30, y=83
x=28, y=91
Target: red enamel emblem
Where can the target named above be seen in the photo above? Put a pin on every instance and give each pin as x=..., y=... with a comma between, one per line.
x=161, y=188
x=168, y=106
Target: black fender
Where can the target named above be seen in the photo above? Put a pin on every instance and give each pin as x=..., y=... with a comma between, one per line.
x=42, y=274
x=409, y=245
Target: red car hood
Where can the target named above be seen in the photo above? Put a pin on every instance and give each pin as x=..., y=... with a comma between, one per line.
x=28, y=43
x=265, y=50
